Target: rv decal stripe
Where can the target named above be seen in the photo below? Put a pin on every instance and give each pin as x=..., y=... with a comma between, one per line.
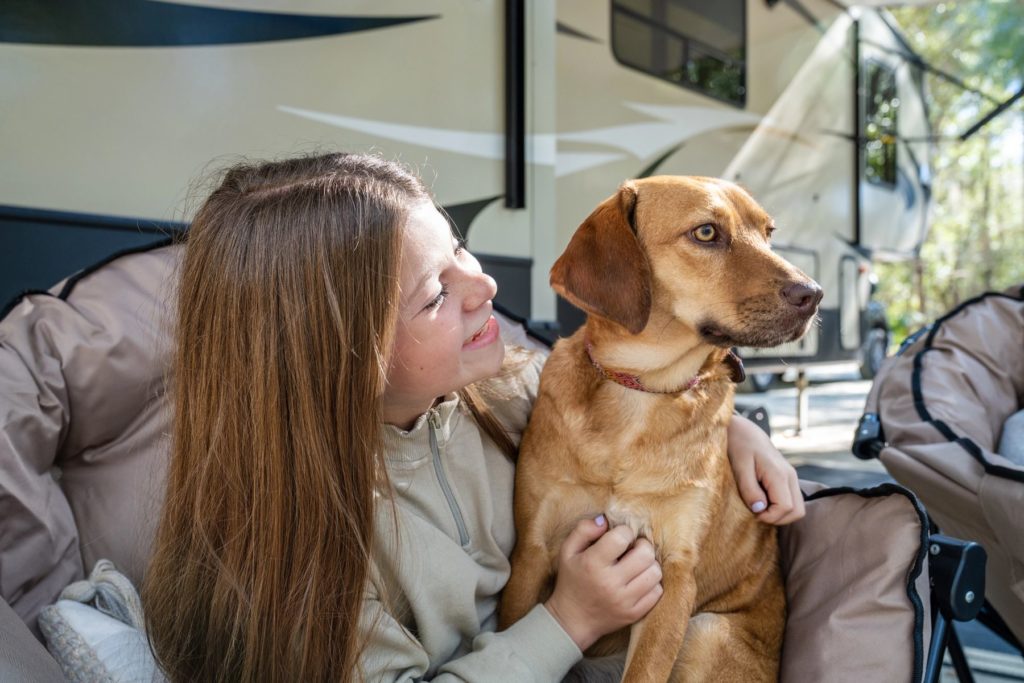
x=470, y=143
x=89, y=220
x=541, y=148
x=130, y=23
x=462, y=215
x=567, y=30
x=654, y=165
x=806, y=14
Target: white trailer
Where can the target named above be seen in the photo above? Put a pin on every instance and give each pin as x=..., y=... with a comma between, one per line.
x=522, y=115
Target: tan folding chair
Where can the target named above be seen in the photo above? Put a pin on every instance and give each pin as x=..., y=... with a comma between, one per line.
x=83, y=423
x=934, y=417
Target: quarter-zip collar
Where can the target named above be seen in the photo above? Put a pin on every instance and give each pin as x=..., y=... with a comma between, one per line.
x=425, y=445
x=433, y=425
x=407, y=446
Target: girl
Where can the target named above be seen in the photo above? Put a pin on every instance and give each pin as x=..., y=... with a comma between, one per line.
x=339, y=500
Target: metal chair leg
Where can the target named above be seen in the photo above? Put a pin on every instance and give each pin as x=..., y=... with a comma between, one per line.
x=956, y=653
x=990, y=619
x=940, y=636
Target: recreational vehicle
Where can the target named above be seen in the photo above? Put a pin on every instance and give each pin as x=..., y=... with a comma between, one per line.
x=521, y=115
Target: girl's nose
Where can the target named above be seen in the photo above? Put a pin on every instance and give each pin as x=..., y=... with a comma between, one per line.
x=480, y=289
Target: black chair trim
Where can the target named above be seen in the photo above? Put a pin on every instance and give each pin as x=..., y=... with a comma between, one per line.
x=69, y=286
x=964, y=442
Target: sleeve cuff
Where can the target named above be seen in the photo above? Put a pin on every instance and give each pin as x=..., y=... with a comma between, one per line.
x=546, y=646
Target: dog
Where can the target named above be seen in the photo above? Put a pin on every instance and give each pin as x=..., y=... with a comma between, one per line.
x=631, y=419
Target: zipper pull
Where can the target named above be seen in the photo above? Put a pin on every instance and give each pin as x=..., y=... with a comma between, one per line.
x=434, y=418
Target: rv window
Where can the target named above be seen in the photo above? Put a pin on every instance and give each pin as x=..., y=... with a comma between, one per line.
x=694, y=44
x=882, y=107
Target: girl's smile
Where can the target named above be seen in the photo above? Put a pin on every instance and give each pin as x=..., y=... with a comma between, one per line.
x=486, y=335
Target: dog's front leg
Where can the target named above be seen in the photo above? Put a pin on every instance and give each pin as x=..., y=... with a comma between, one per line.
x=535, y=554
x=532, y=570
x=655, y=640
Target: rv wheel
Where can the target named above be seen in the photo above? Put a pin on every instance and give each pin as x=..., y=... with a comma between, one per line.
x=761, y=381
x=875, y=348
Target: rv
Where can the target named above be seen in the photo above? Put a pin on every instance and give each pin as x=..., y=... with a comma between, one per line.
x=520, y=115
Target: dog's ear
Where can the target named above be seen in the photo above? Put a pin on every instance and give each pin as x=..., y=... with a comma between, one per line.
x=604, y=270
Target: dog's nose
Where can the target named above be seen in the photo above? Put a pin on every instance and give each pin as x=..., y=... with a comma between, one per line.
x=803, y=296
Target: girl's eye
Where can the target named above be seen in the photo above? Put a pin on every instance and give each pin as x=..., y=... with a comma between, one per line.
x=771, y=231
x=439, y=299
x=705, y=233
x=460, y=246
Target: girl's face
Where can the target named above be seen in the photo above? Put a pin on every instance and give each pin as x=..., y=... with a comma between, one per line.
x=446, y=336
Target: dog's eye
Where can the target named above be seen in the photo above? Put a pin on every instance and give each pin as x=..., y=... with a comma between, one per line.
x=705, y=233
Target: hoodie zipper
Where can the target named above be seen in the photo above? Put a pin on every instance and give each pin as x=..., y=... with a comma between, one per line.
x=434, y=422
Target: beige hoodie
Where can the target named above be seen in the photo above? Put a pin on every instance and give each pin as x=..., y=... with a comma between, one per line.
x=453, y=496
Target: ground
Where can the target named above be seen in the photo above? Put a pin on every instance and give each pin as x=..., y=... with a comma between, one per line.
x=821, y=452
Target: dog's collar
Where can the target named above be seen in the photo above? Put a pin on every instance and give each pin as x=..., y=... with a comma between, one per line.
x=737, y=373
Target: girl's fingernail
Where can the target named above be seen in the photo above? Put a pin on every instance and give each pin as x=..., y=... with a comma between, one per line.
x=599, y=520
x=759, y=506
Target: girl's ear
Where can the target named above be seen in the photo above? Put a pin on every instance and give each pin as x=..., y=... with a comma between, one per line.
x=604, y=270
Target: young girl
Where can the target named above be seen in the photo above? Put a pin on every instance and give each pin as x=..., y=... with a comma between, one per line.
x=339, y=500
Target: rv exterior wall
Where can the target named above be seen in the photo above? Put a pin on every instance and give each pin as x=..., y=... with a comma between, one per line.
x=109, y=129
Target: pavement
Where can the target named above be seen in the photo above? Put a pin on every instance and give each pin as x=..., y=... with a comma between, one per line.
x=821, y=452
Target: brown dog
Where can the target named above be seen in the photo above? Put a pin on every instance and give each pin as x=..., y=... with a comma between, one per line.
x=631, y=421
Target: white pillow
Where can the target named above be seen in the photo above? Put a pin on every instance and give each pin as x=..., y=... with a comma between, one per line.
x=94, y=631
x=1011, y=443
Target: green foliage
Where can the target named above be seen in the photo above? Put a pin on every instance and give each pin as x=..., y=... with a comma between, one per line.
x=976, y=237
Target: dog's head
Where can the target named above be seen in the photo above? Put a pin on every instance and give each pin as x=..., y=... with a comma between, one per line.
x=690, y=249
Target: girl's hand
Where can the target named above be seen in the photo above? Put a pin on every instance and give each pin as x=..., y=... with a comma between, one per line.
x=767, y=482
x=605, y=581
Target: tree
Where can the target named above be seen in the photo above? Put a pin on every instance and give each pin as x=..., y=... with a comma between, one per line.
x=976, y=237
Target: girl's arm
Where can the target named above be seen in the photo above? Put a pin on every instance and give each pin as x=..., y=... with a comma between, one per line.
x=535, y=648
x=767, y=482
x=606, y=579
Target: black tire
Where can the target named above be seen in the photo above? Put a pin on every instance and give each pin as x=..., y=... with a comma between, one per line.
x=761, y=381
x=876, y=347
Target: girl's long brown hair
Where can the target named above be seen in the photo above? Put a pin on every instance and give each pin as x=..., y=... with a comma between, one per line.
x=286, y=311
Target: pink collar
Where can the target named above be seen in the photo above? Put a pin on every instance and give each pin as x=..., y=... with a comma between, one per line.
x=633, y=381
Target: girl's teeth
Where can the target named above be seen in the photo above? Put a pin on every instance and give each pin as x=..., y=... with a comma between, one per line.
x=478, y=332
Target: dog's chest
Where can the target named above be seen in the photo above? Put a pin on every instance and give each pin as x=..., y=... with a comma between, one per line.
x=623, y=513
x=670, y=523
x=656, y=456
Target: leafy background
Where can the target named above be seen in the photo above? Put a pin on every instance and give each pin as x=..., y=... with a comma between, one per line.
x=976, y=237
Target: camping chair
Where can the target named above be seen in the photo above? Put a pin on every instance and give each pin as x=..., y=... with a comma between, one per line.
x=934, y=417
x=83, y=423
